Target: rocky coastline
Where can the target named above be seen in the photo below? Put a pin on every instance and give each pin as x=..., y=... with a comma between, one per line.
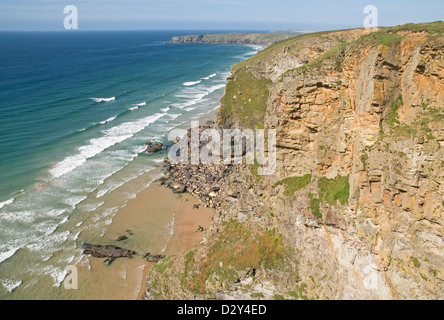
x=354, y=209
x=261, y=39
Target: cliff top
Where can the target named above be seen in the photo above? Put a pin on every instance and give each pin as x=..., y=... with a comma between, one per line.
x=264, y=39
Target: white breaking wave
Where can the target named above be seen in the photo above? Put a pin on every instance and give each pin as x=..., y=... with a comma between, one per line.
x=165, y=109
x=188, y=84
x=8, y=254
x=10, y=285
x=140, y=104
x=111, y=137
x=6, y=203
x=133, y=108
x=108, y=120
x=196, y=97
x=104, y=99
x=210, y=76
x=174, y=116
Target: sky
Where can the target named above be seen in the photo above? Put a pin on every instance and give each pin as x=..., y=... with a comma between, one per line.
x=213, y=14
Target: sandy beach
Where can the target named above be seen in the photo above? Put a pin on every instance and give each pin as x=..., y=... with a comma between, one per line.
x=156, y=221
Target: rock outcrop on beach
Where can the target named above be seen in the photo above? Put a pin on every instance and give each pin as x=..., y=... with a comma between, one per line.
x=355, y=207
x=107, y=251
x=261, y=39
x=152, y=147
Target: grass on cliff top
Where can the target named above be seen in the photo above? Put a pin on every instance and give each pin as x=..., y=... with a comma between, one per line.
x=267, y=53
x=250, y=100
x=258, y=37
x=237, y=248
x=436, y=27
x=294, y=184
x=393, y=35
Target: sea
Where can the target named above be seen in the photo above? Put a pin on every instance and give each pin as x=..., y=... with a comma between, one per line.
x=76, y=109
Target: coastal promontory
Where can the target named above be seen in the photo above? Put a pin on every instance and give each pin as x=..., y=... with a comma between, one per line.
x=355, y=207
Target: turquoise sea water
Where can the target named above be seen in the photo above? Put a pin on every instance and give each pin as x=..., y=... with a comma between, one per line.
x=75, y=112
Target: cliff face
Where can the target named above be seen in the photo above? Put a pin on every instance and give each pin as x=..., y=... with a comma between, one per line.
x=355, y=208
x=262, y=39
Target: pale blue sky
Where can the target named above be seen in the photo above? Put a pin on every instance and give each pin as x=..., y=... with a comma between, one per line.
x=213, y=14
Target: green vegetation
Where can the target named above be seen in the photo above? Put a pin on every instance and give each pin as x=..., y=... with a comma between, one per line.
x=332, y=190
x=246, y=98
x=299, y=292
x=334, y=52
x=315, y=204
x=162, y=265
x=415, y=261
x=393, y=35
x=294, y=184
x=393, y=116
x=257, y=37
x=396, y=127
x=254, y=168
x=384, y=37
x=236, y=248
x=257, y=295
x=433, y=28
x=278, y=297
x=364, y=158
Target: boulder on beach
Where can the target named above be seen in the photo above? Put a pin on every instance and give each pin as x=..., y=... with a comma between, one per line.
x=108, y=251
x=154, y=258
x=152, y=148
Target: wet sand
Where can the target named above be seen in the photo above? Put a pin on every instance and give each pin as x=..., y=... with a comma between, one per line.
x=156, y=221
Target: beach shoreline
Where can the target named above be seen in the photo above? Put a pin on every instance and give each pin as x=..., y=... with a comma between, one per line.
x=153, y=204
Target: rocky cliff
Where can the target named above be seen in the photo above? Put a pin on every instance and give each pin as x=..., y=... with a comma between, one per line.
x=262, y=39
x=355, y=207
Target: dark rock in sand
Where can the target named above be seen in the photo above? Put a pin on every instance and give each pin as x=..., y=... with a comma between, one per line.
x=122, y=238
x=178, y=188
x=108, y=251
x=109, y=261
x=154, y=258
x=152, y=148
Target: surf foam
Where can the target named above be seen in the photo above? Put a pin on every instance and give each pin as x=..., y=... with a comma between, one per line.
x=189, y=84
x=104, y=99
x=111, y=137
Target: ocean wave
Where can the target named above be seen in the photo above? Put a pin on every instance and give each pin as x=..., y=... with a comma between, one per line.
x=189, y=84
x=91, y=207
x=111, y=137
x=6, y=203
x=104, y=99
x=174, y=116
x=210, y=76
x=165, y=109
x=8, y=254
x=108, y=120
x=136, y=106
x=120, y=183
x=170, y=231
x=57, y=274
x=11, y=285
x=196, y=97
